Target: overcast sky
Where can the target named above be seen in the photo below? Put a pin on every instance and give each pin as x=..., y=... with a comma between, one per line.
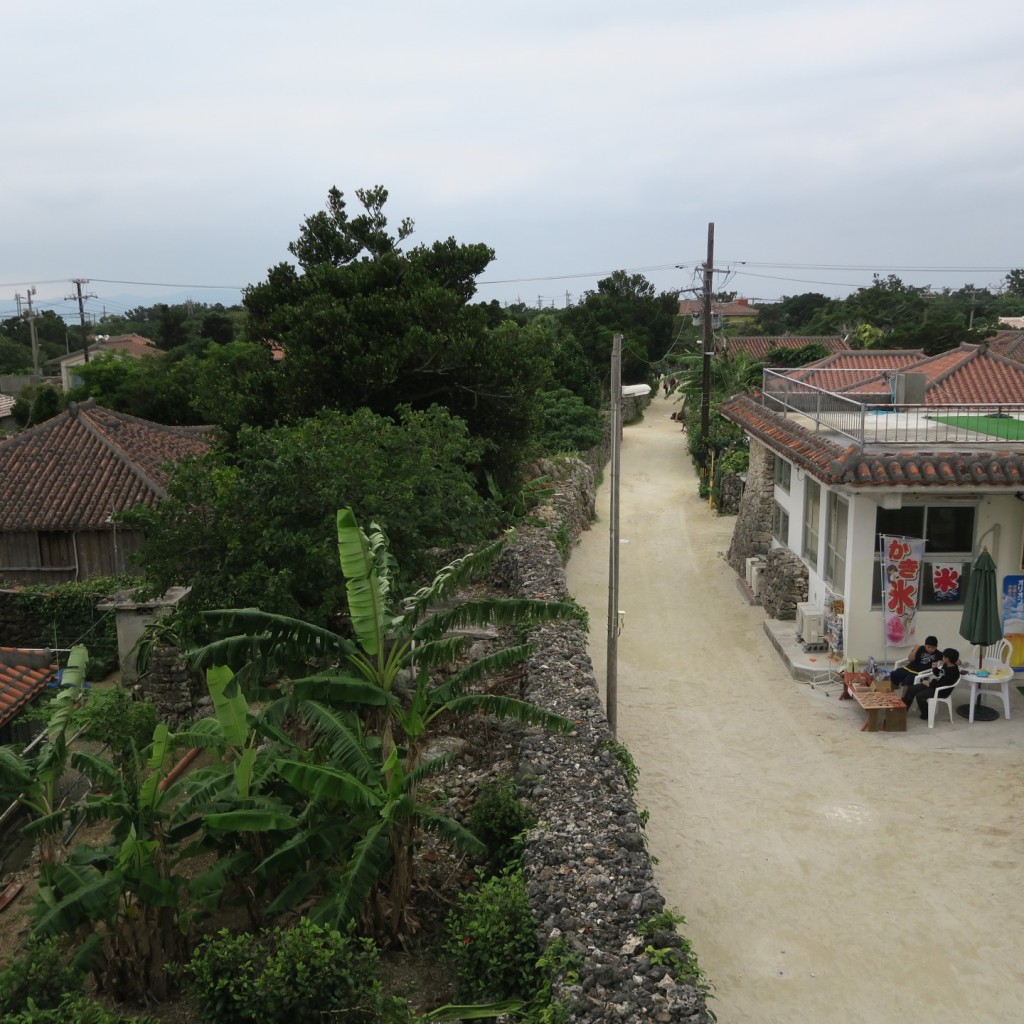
x=181, y=144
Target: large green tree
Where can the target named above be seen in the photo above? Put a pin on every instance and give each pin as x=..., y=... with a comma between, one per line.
x=364, y=322
x=252, y=525
x=792, y=313
x=625, y=304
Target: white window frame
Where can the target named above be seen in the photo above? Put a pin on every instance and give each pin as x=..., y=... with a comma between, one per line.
x=780, y=523
x=835, y=545
x=812, y=525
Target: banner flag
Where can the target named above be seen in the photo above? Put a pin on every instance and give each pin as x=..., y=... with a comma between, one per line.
x=902, y=558
x=946, y=580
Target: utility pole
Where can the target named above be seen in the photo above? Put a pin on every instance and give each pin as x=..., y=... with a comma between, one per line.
x=709, y=339
x=612, y=666
x=78, y=282
x=31, y=317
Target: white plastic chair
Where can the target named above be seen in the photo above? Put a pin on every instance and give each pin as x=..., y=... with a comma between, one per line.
x=995, y=659
x=943, y=695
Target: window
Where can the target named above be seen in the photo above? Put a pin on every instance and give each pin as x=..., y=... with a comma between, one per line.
x=812, y=516
x=780, y=523
x=948, y=532
x=56, y=550
x=835, y=542
x=783, y=473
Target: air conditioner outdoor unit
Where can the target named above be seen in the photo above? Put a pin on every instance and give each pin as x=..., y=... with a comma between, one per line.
x=810, y=623
x=749, y=572
x=757, y=576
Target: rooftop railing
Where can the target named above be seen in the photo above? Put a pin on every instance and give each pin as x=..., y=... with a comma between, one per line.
x=871, y=417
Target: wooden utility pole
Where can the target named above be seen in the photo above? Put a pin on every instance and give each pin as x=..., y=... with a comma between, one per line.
x=709, y=340
x=78, y=282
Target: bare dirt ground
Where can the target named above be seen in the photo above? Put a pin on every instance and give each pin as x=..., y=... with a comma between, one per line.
x=825, y=874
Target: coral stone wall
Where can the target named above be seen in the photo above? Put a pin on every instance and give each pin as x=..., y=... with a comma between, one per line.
x=752, y=534
x=783, y=584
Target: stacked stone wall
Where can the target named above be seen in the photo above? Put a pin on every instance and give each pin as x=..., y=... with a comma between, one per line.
x=783, y=584
x=752, y=534
x=589, y=876
x=178, y=693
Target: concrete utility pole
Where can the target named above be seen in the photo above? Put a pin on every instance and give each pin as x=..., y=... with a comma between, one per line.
x=709, y=339
x=612, y=666
x=78, y=282
x=31, y=317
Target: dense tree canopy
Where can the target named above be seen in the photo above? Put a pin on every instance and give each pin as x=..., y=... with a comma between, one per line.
x=625, y=304
x=253, y=525
x=365, y=324
x=892, y=314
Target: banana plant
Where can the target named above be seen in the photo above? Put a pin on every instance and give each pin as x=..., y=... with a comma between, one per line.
x=122, y=897
x=372, y=729
x=392, y=639
x=33, y=782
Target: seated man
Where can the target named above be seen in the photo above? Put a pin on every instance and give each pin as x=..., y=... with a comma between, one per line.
x=926, y=683
x=922, y=658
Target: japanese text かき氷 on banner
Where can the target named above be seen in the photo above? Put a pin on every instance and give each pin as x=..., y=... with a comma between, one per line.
x=901, y=565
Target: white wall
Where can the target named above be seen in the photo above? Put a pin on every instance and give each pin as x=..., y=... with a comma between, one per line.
x=999, y=524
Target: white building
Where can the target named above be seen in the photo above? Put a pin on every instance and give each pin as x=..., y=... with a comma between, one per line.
x=849, y=452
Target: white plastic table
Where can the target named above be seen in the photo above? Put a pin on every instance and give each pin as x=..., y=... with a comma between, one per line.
x=997, y=681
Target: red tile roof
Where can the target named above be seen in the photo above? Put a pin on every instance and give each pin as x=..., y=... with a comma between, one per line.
x=852, y=368
x=123, y=344
x=968, y=374
x=1007, y=343
x=758, y=346
x=24, y=674
x=73, y=470
x=854, y=466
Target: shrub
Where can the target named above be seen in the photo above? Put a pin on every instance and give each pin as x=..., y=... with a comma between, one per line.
x=63, y=614
x=499, y=819
x=115, y=718
x=491, y=940
x=41, y=973
x=300, y=975
x=736, y=461
x=567, y=423
x=665, y=947
x=74, y=1010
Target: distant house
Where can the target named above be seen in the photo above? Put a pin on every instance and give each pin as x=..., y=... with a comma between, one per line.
x=738, y=309
x=757, y=346
x=62, y=481
x=133, y=346
x=870, y=444
x=1016, y=322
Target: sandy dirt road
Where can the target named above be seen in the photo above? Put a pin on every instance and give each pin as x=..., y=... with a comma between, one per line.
x=825, y=874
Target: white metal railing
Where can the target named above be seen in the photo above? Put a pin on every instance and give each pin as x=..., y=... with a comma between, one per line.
x=872, y=418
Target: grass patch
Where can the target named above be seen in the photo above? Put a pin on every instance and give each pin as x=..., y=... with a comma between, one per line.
x=1005, y=427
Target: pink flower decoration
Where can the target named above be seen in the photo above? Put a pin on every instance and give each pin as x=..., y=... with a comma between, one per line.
x=895, y=631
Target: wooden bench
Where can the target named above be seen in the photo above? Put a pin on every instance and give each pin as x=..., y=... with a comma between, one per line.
x=885, y=709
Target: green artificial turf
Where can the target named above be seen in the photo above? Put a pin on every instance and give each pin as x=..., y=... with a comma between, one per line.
x=997, y=426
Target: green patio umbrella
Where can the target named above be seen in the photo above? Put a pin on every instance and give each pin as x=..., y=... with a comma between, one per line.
x=980, y=622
